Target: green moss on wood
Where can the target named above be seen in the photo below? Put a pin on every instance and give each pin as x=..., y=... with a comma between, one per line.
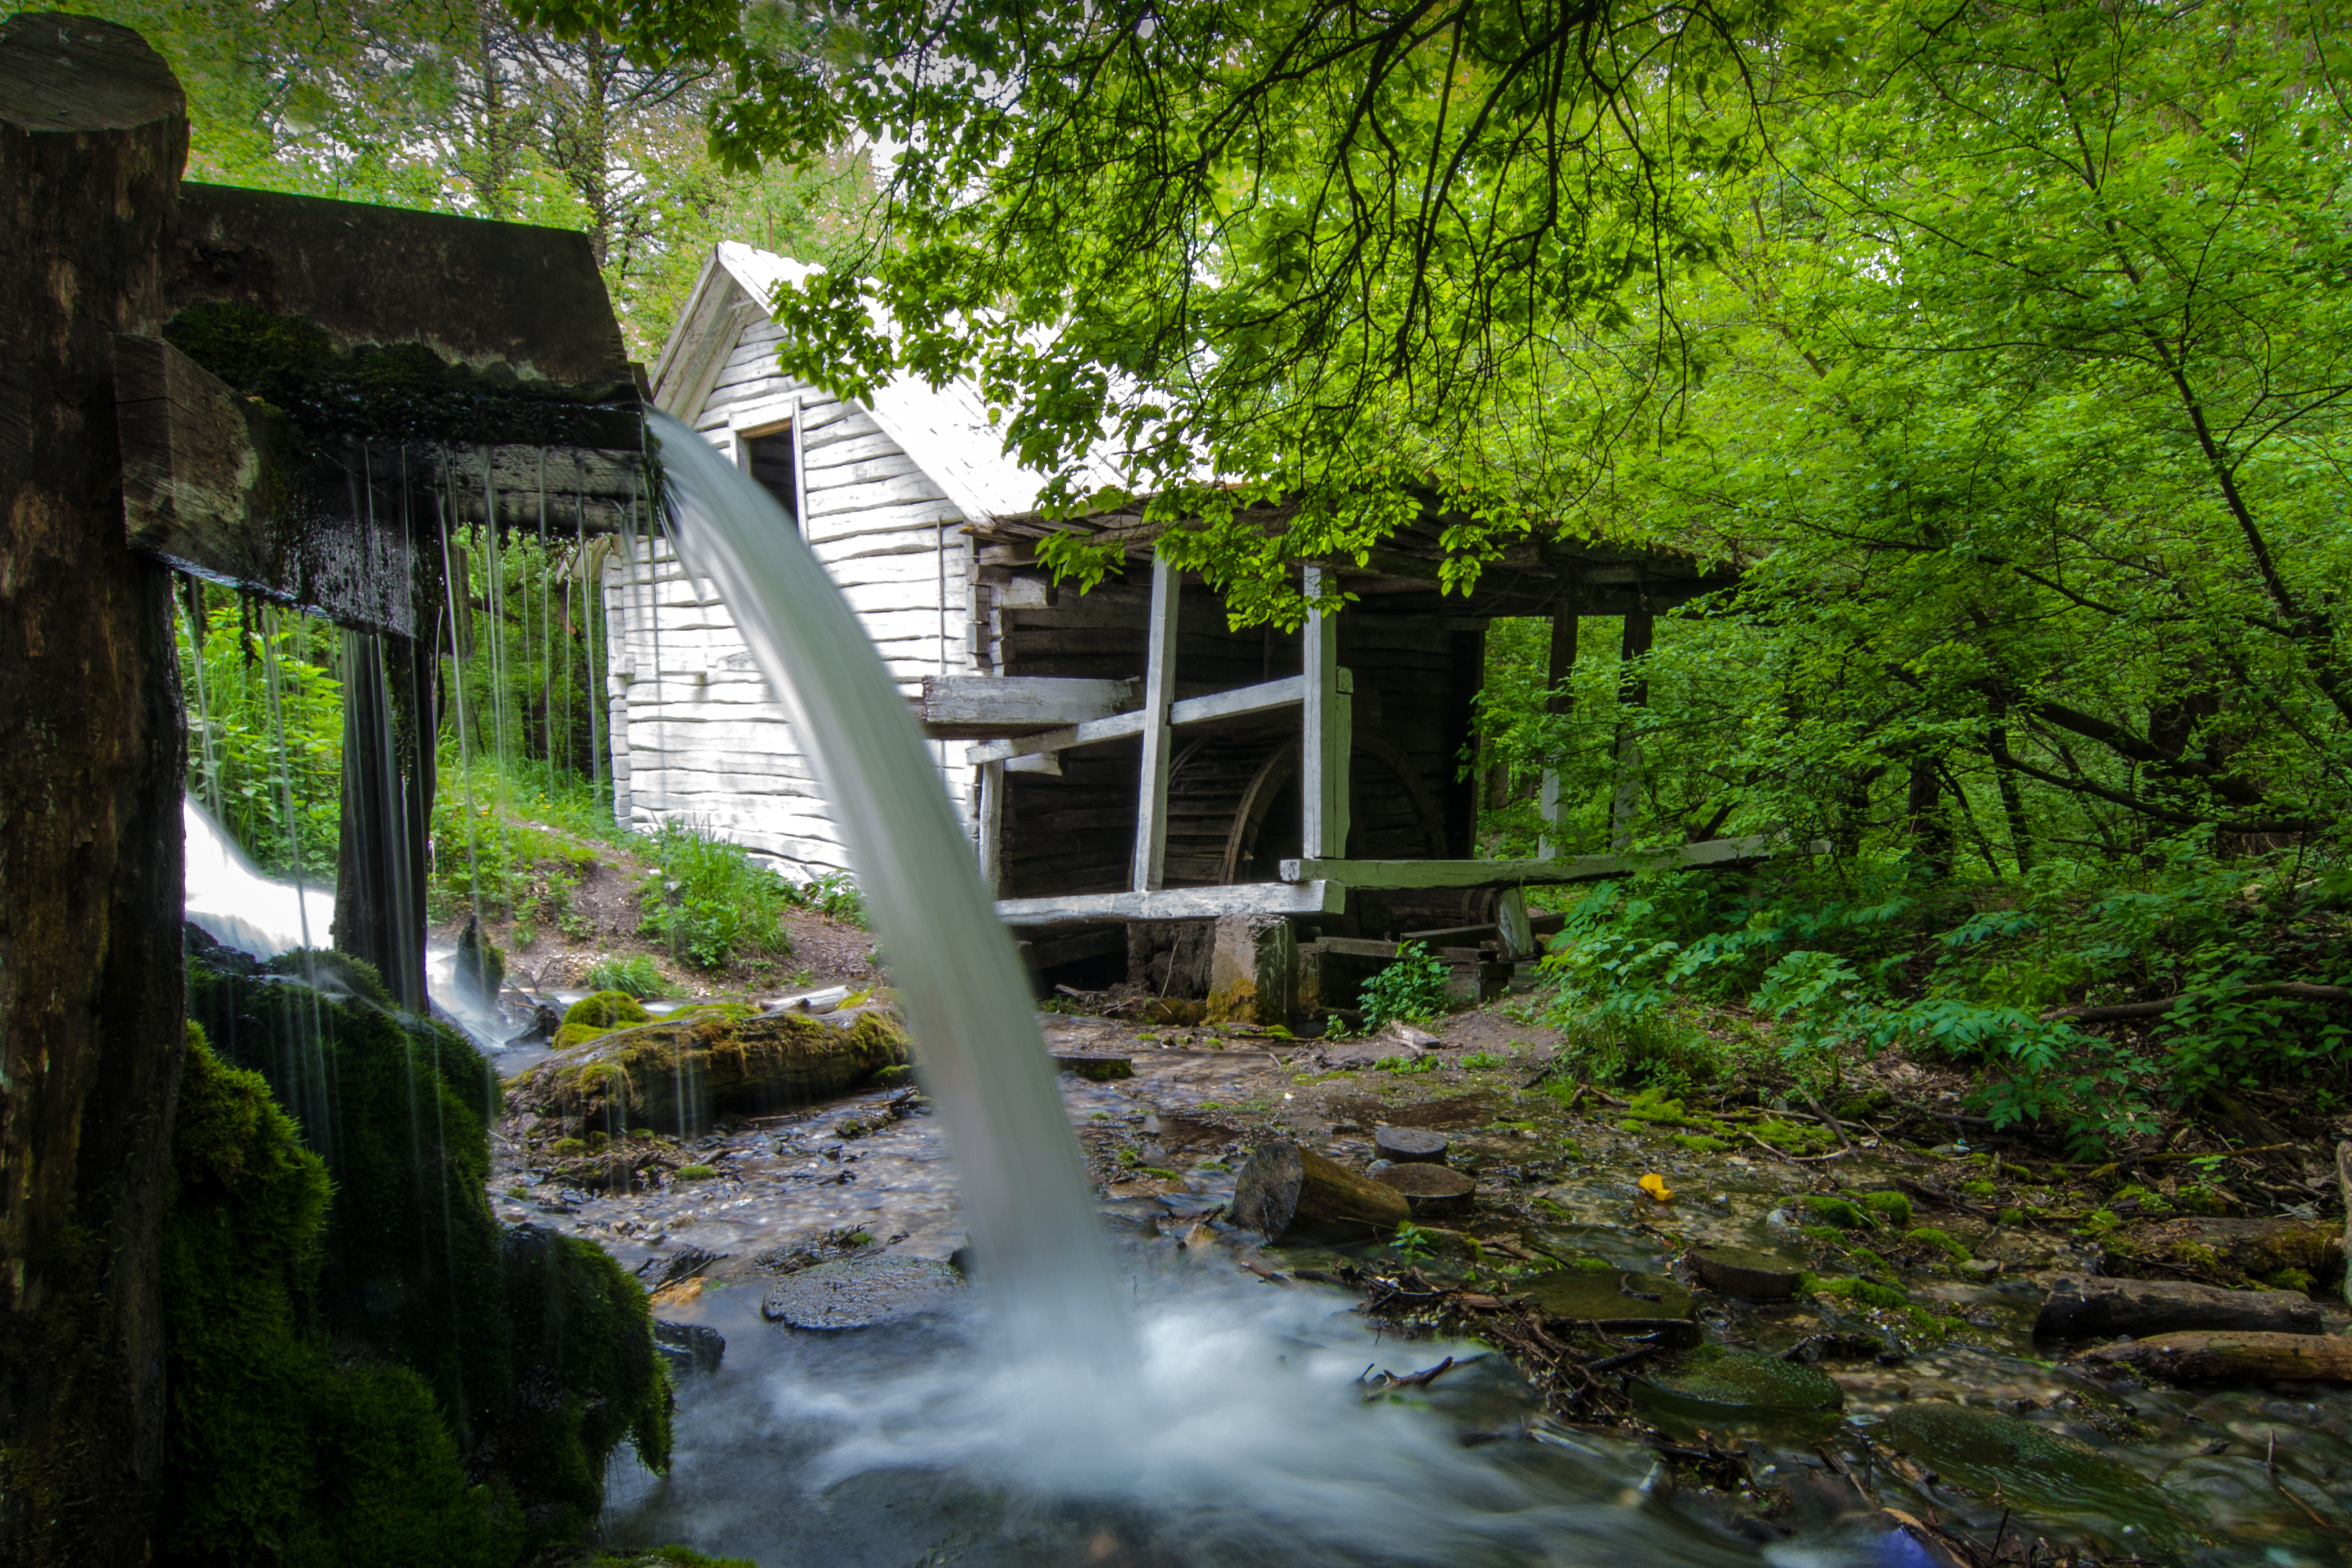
x=676, y=1073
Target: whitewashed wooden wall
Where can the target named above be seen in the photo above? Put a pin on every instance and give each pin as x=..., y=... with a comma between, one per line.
x=696, y=734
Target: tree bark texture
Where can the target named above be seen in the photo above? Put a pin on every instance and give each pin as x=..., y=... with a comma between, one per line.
x=1283, y=1188
x=2211, y=1355
x=387, y=808
x=93, y=133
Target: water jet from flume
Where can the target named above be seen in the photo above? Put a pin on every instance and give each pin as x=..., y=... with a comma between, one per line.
x=1038, y=1243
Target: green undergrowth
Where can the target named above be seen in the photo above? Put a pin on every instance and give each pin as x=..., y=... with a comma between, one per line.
x=709, y=902
x=516, y=843
x=1684, y=980
x=372, y=1369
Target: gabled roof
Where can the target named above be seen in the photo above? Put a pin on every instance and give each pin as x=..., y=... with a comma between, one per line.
x=947, y=430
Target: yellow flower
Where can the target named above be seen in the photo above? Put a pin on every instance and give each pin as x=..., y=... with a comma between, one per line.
x=1655, y=1185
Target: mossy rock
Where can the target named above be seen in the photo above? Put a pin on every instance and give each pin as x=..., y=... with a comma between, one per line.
x=2044, y=1473
x=1890, y=1207
x=1941, y=1240
x=573, y=1034
x=676, y=1075
x=607, y=1009
x=1861, y=1292
x=1838, y=1213
x=1719, y=1387
x=402, y=1379
x=1605, y=1295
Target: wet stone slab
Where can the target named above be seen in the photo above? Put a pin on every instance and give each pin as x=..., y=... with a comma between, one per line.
x=861, y=1292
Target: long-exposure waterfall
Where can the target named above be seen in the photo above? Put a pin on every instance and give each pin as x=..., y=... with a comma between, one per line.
x=965, y=997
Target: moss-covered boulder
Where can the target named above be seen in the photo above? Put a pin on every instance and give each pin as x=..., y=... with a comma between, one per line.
x=2046, y=1474
x=1723, y=1388
x=607, y=1009
x=676, y=1075
x=519, y=1358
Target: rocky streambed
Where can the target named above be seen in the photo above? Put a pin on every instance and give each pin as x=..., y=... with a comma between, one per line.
x=1783, y=1330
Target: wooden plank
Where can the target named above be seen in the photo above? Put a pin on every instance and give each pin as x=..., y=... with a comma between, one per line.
x=218, y=485
x=1264, y=697
x=1046, y=762
x=974, y=707
x=1118, y=727
x=1326, y=723
x=1515, y=936
x=1179, y=903
x=992, y=826
x=1159, y=697
x=1402, y=874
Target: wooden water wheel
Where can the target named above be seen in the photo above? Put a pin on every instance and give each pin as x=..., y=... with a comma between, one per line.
x=1233, y=810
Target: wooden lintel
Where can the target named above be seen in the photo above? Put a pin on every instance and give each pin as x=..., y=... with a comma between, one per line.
x=1177, y=904
x=218, y=485
x=977, y=707
x=1402, y=874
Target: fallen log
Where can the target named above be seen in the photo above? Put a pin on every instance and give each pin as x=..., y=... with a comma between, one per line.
x=2210, y=1356
x=1283, y=1188
x=2081, y=1308
x=2298, y=990
x=1434, y=1191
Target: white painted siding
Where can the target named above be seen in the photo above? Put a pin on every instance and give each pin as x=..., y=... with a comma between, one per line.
x=696, y=734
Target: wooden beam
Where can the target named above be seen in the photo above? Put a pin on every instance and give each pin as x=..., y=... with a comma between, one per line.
x=1179, y=903
x=992, y=826
x=1238, y=703
x=1512, y=932
x=1326, y=732
x=216, y=484
x=1094, y=732
x=1400, y=874
x=1158, y=696
x=1049, y=763
x=978, y=707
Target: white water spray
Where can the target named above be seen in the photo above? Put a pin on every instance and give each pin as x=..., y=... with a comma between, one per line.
x=1024, y=1191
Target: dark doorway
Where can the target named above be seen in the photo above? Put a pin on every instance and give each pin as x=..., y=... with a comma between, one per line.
x=771, y=460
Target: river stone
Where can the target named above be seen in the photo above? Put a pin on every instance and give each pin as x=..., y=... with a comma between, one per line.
x=1605, y=1296
x=1432, y=1190
x=2040, y=1470
x=1410, y=1146
x=1745, y=1271
x=1713, y=1383
x=696, y=1347
x=860, y=1293
x=2101, y=1309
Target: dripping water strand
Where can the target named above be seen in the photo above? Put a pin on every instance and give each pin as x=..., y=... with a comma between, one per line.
x=320, y=1089
x=592, y=598
x=457, y=698
x=491, y=649
x=194, y=612
x=546, y=638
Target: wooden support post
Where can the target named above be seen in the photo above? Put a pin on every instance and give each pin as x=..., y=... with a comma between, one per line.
x=991, y=827
x=1512, y=933
x=1633, y=692
x=1328, y=736
x=1563, y=666
x=93, y=133
x=1159, y=697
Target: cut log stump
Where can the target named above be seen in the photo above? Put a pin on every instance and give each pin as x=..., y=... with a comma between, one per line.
x=1431, y=1191
x=2215, y=1355
x=2101, y=1309
x=1284, y=1190
x=1740, y=1271
x=1408, y=1145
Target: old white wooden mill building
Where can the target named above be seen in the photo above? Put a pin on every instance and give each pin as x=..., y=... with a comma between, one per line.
x=1146, y=787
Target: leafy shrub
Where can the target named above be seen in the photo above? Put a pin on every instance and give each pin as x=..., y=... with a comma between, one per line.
x=634, y=975
x=835, y=897
x=1414, y=986
x=711, y=900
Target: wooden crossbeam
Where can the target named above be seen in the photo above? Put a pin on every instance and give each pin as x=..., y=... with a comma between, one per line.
x=1177, y=904
x=1401, y=874
x=1239, y=702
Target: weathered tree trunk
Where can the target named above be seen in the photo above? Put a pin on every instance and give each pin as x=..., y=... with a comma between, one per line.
x=1284, y=1188
x=2210, y=1356
x=1633, y=694
x=1931, y=830
x=2093, y=1308
x=93, y=132
x=387, y=809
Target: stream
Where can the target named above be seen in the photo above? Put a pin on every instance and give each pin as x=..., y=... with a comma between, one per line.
x=1252, y=1439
